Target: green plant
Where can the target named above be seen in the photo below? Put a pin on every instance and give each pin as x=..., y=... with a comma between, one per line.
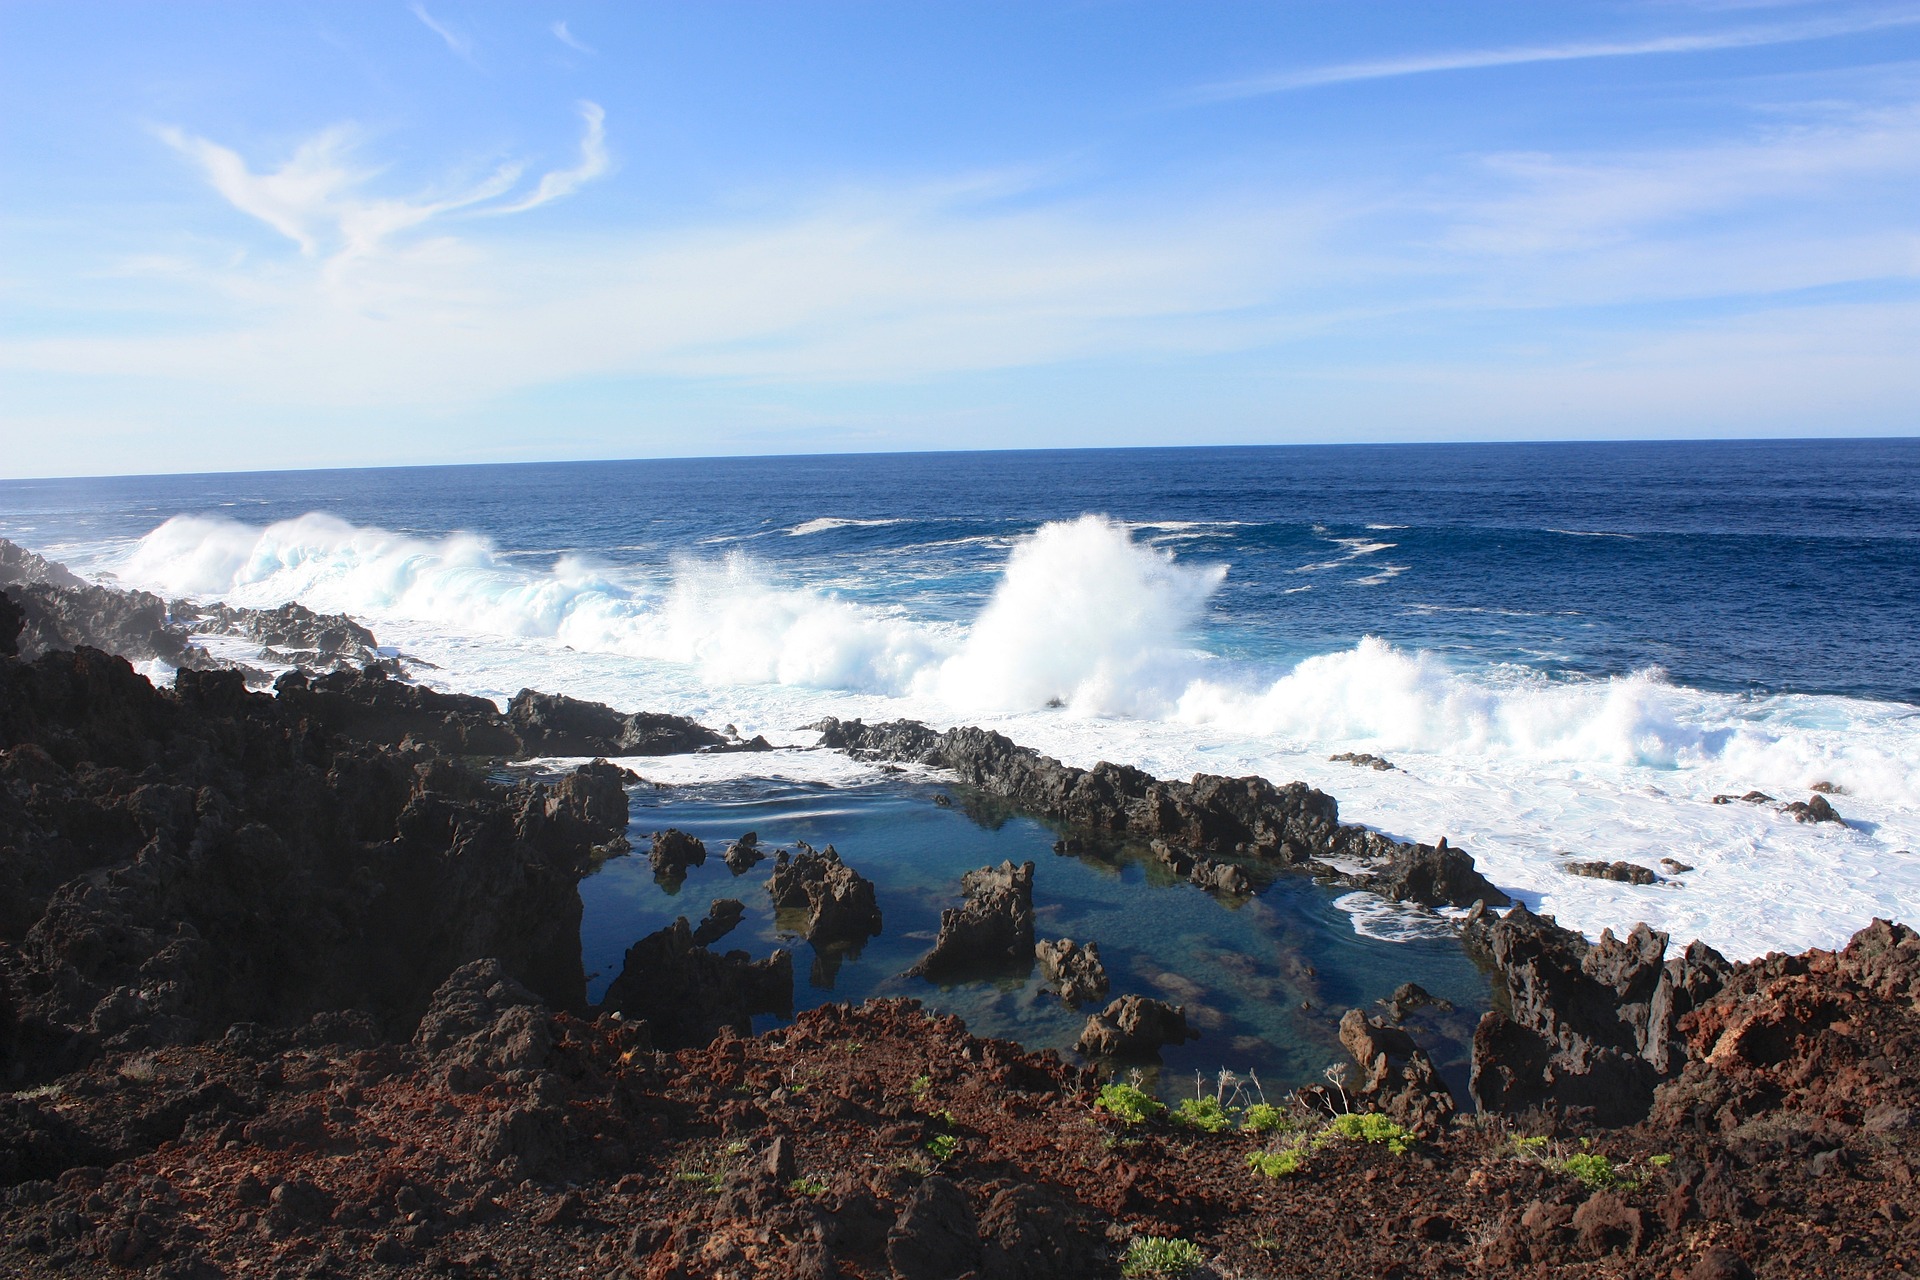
x=943, y=1146
x=1660, y=1161
x=1523, y=1146
x=1283, y=1163
x=945, y=1118
x=707, y=1180
x=1264, y=1117
x=1129, y=1103
x=1373, y=1127
x=922, y=1086
x=807, y=1187
x=1160, y=1256
x=1204, y=1114
x=1591, y=1168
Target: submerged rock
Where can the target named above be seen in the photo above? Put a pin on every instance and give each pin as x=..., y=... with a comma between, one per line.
x=1134, y=1027
x=1362, y=760
x=1220, y=877
x=1813, y=809
x=839, y=902
x=722, y=918
x=1435, y=875
x=1624, y=872
x=1073, y=970
x=992, y=932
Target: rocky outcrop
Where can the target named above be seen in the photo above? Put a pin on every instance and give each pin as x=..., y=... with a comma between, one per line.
x=1220, y=877
x=1587, y=1028
x=992, y=932
x=1814, y=808
x=722, y=918
x=1436, y=875
x=1623, y=872
x=1209, y=816
x=1396, y=1075
x=743, y=854
x=672, y=851
x=1072, y=970
x=837, y=901
x=553, y=724
x=686, y=993
x=1362, y=760
x=292, y=634
x=1134, y=1027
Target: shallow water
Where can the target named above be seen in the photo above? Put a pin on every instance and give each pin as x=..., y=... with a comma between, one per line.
x=1243, y=968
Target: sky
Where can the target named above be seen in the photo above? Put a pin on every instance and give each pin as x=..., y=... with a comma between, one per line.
x=242, y=236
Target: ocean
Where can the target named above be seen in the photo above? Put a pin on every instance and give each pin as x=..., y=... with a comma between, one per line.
x=1566, y=650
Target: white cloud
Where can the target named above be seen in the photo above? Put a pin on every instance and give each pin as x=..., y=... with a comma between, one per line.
x=570, y=40
x=1574, y=51
x=562, y=182
x=292, y=199
x=460, y=44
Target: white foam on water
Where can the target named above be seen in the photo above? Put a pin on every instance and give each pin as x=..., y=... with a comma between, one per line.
x=1520, y=770
x=823, y=524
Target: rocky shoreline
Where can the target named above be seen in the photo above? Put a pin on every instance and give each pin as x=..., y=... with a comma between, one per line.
x=291, y=983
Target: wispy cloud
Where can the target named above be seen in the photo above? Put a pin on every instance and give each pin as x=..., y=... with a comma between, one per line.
x=593, y=163
x=460, y=44
x=1573, y=51
x=570, y=40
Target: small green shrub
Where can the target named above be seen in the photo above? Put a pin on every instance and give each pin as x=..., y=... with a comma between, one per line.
x=1528, y=1146
x=1593, y=1169
x=1264, y=1117
x=807, y=1187
x=943, y=1147
x=1125, y=1102
x=922, y=1086
x=1277, y=1164
x=1660, y=1161
x=1204, y=1114
x=1373, y=1127
x=1160, y=1256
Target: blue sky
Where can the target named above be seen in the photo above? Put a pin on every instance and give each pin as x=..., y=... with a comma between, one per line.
x=242, y=236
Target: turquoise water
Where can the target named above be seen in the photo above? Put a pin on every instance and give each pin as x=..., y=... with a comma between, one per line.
x=1243, y=968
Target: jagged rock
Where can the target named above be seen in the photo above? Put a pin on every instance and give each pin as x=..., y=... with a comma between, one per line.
x=480, y=1018
x=722, y=918
x=1134, y=1027
x=1073, y=970
x=1624, y=872
x=673, y=851
x=21, y=567
x=1813, y=809
x=936, y=1235
x=839, y=902
x=1590, y=1028
x=1409, y=996
x=1397, y=1076
x=553, y=724
x=686, y=993
x=11, y=621
x=1675, y=866
x=991, y=932
x=743, y=854
x=1436, y=875
x=1362, y=760
x=302, y=636
x=1751, y=797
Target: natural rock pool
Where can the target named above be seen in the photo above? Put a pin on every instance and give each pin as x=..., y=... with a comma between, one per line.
x=1263, y=978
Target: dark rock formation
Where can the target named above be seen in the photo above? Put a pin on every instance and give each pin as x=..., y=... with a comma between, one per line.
x=1751, y=797
x=1074, y=971
x=743, y=854
x=1675, y=866
x=552, y=724
x=1294, y=825
x=838, y=901
x=294, y=633
x=1396, y=1075
x=686, y=993
x=1813, y=809
x=991, y=933
x=1590, y=1029
x=1624, y=872
x=1435, y=875
x=21, y=567
x=1134, y=1027
x=722, y=918
x=1409, y=996
x=673, y=851
x=1362, y=760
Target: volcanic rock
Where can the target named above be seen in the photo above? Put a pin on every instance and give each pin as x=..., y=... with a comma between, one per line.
x=1134, y=1027
x=1813, y=809
x=1397, y=1076
x=1625, y=872
x=553, y=724
x=1073, y=970
x=743, y=854
x=992, y=932
x=673, y=851
x=1435, y=875
x=722, y=918
x=1221, y=877
x=1362, y=760
x=686, y=993
x=838, y=901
